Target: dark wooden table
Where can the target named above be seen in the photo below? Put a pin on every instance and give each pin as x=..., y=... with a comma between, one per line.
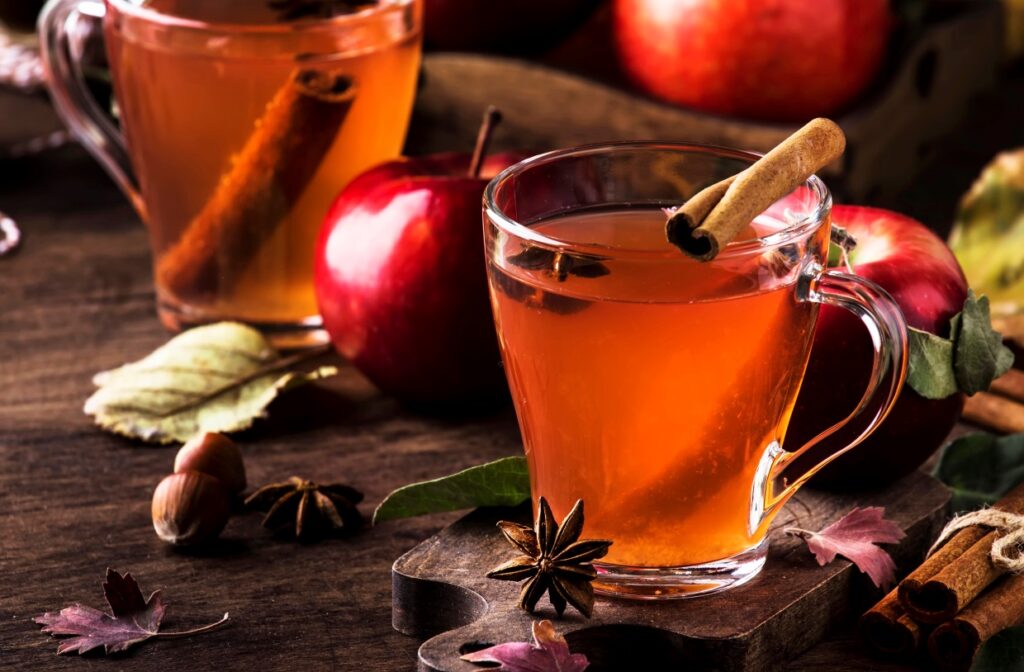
x=78, y=298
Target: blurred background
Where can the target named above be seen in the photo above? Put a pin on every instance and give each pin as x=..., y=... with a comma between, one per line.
x=928, y=91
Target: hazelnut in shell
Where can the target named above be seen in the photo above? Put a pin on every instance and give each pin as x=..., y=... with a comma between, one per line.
x=214, y=455
x=190, y=508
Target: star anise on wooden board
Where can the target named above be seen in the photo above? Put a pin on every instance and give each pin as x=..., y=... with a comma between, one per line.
x=313, y=510
x=291, y=10
x=555, y=560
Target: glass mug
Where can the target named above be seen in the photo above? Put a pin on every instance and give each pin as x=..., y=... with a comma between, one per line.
x=241, y=123
x=658, y=388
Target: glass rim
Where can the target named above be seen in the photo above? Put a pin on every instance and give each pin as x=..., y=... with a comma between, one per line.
x=794, y=230
x=128, y=8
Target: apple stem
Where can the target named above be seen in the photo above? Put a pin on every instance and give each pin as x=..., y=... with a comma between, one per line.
x=492, y=117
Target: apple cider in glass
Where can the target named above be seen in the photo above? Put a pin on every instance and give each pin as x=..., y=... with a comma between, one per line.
x=655, y=387
x=241, y=140
x=692, y=390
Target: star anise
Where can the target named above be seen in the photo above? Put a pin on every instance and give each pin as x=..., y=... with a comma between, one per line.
x=291, y=10
x=313, y=509
x=555, y=560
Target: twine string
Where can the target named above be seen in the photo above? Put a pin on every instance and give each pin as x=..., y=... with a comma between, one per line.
x=1007, y=548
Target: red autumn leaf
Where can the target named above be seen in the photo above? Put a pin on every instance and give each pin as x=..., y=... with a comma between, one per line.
x=131, y=620
x=548, y=653
x=854, y=536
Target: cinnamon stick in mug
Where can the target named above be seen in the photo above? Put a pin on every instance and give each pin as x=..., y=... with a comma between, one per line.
x=269, y=175
x=953, y=645
x=702, y=232
x=942, y=596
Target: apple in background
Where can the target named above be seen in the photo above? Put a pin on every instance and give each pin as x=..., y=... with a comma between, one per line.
x=920, y=272
x=773, y=60
x=401, y=283
x=494, y=25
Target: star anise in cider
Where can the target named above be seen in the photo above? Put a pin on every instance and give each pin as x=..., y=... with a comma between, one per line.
x=554, y=561
x=292, y=10
x=312, y=509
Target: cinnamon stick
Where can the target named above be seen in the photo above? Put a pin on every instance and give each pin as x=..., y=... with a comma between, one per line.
x=954, y=586
x=888, y=630
x=1010, y=384
x=1004, y=415
x=953, y=645
x=886, y=627
x=702, y=232
x=269, y=175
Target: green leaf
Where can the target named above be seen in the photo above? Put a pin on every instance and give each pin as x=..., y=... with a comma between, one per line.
x=980, y=356
x=930, y=371
x=980, y=468
x=1004, y=652
x=215, y=378
x=968, y=361
x=504, y=482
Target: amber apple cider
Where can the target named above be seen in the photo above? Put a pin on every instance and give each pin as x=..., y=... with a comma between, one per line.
x=188, y=108
x=652, y=391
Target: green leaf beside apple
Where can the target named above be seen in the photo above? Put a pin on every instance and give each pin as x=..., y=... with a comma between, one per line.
x=981, y=468
x=968, y=361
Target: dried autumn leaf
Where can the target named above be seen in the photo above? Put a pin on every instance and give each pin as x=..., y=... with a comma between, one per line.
x=215, y=378
x=132, y=619
x=548, y=653
x=854, y=536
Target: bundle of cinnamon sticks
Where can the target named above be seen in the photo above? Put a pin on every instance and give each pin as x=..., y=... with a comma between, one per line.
x=1002, y=407
x=955, y=601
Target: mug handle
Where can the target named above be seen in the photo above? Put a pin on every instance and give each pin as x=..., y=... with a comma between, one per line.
x=62, y=37
x=888, y=330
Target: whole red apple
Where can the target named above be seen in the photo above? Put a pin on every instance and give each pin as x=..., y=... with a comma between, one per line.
x=778, y=60
x=401, y=282
x=920, y=272
x=489, y=25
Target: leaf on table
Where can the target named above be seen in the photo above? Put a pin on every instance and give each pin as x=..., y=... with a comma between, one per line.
x=548, y=653
x=132, y=619
x=504, y=482
x=968, y=361
x=1004, y=652
x=855, y=537
x=980, y=355
x=981, y=468
x=215, y=378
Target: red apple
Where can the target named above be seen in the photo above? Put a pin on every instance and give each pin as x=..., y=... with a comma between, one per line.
x=779, y=60
x=920, y=272
x=401, y=282
x=490, y=25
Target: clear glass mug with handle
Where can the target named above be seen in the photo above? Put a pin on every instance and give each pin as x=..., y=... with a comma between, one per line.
x=657, y=388
x=241, y=123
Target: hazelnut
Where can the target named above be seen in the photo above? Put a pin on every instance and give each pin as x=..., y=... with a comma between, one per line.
x=214, y=455
x=190, y=508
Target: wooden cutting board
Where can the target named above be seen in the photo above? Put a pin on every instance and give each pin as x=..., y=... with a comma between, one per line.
x=440, y=594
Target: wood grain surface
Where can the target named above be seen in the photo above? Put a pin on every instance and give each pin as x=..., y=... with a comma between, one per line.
x=78, y=298
x=782, y=612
